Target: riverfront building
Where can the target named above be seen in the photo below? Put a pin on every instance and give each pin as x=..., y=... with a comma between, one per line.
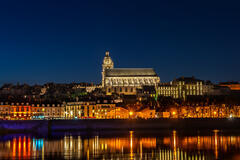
x=146, y=113
x=119, y=113
x=25, y=111
x=4, y=111
x=54, y=111
x=20, y=111
x=47, y=111
x=91, y=109
x=100, y=109
x=126, y=80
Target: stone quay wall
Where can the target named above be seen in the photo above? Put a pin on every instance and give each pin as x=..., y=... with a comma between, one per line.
x=117, y=124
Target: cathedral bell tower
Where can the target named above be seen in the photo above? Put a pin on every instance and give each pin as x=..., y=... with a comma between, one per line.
x=107, y=64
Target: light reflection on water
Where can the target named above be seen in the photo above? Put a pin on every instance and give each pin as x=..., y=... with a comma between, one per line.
x=173, y=146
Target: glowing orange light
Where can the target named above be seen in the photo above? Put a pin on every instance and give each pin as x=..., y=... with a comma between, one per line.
x=29, y=146
x=14, y=147
x=24, y=147
x=19, y=146
x=130, y=113
x=173, y=113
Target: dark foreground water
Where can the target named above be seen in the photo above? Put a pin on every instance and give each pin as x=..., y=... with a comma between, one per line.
x=161, y=145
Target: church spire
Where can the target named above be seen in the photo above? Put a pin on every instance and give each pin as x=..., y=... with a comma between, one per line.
x=107, y=64
x=107, y=53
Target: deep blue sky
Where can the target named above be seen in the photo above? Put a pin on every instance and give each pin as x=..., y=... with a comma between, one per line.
x=65, y=41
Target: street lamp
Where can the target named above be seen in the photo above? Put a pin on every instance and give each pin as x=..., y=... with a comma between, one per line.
x=214, y=113
x=130, y=114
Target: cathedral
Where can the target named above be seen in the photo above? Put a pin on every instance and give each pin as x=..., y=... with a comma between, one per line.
x=126, y=80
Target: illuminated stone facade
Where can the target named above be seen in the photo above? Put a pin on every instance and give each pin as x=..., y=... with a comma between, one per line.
x=146, y=113
x=126, y=80
x=94, y=110
x=107, y=64
x=4, y=111
x=17, y=111
x=190, y=86
x=42, y=111
x=183, y=87
x=119, y=113
x=20, y=111
x=54, y=111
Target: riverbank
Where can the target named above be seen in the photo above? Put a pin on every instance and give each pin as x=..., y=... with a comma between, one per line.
x=44, y=126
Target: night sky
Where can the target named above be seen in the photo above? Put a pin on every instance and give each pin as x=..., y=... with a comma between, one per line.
x=65, y=41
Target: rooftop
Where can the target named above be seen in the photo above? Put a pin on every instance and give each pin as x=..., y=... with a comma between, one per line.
x=130, y=72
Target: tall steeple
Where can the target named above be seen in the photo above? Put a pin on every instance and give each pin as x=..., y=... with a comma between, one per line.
x=107, y=53
x=107, y=64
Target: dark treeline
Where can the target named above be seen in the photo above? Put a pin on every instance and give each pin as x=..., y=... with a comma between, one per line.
x=50, y=93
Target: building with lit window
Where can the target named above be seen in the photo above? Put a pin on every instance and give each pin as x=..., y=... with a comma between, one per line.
x=90, y=109
x=119, y=113
x=126, y=80
x=35, y=111
x=38, y=111
x=146, y=113
x=167, y=90
x=4, y=111
x=20, y=111
x=185, y=86
x=54, y=111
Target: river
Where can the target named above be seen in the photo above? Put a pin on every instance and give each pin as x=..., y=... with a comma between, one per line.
x=160, y=145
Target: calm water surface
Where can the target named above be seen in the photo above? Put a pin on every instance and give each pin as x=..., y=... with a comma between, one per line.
x=170, y=145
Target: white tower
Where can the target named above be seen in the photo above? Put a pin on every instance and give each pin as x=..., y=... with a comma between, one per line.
x=107, y=64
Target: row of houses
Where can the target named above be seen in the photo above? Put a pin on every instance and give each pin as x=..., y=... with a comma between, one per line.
x=71, y=110
x=26, y=111
x=209, y=111
x=107, y=110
